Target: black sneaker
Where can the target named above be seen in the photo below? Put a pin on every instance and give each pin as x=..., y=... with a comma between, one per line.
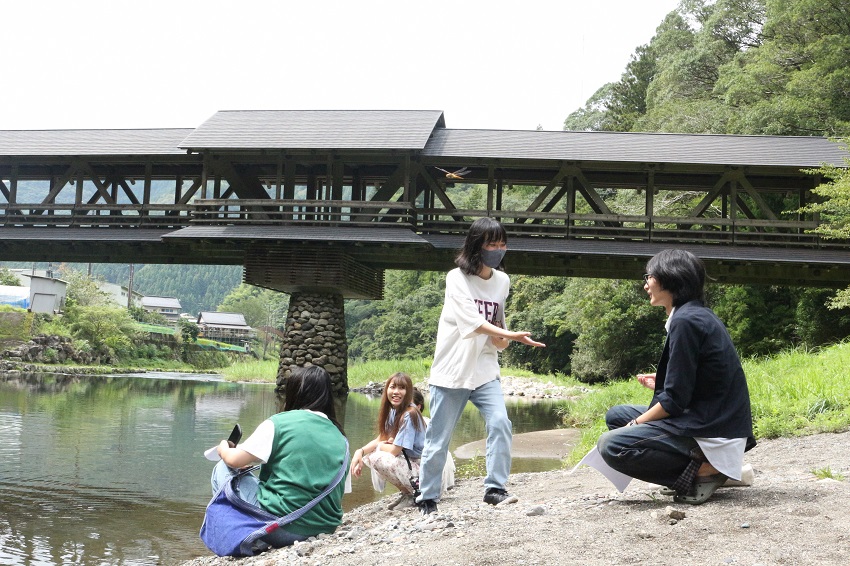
x=494, y=495
x=427, y=506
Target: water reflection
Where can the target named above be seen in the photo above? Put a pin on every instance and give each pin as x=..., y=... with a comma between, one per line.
x=109, y=469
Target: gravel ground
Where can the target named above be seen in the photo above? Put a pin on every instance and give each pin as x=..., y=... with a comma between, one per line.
x=788, y=516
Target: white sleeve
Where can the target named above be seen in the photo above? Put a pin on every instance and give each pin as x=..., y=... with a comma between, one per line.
x=461, y=304
x=259, y=444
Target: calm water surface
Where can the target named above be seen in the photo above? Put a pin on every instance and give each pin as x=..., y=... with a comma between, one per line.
x=110, y=469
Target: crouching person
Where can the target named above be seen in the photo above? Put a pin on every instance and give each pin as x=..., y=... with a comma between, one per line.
x=693, y=434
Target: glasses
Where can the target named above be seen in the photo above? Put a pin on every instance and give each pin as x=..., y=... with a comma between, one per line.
x=646, y=277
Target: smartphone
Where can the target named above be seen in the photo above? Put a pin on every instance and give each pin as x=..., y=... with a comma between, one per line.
x=235, y=435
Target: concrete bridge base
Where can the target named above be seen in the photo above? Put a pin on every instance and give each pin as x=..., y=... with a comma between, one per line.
x=315, y=336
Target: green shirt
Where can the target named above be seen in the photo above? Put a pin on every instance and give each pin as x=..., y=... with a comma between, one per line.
x=307, y=452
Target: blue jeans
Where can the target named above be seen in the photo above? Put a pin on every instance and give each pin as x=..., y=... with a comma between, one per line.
x=247, y=487
x=645, y=451
x=446, y=408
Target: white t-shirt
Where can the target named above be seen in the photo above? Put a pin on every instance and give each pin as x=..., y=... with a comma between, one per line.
x=464, y=358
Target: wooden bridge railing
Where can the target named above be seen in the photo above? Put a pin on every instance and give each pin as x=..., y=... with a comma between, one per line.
x=61, y=215
x=617, y=227
x=310, y=212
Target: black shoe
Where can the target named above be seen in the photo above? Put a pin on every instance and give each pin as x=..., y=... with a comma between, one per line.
x=494, y=495
x=427, y=506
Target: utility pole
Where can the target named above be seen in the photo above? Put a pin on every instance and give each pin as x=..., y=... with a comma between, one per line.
x=130, y=288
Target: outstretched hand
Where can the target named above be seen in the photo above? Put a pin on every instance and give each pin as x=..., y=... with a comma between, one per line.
x=647, y=380
x=525, y=338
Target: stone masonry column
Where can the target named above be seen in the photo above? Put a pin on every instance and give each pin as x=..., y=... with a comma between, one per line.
x=315, y=336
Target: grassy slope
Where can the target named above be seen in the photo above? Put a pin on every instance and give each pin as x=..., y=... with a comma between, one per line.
x=793, y=394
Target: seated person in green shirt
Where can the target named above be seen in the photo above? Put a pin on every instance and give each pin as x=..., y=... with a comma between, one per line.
x=301, y=451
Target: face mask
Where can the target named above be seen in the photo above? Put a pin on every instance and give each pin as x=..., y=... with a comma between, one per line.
x=492, y=258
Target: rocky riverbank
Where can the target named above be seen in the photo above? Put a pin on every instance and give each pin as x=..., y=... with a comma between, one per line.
x=511, y=386
x=792, y=514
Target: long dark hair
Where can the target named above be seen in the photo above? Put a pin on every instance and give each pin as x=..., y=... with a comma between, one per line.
x=309, y=388
x=387, y=429
x=482, y=232
x=681, y=273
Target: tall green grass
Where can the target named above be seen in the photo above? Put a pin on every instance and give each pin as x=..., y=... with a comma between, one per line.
x=800, y=392
x=360, y=374
x=251, y=370
x=794, y=393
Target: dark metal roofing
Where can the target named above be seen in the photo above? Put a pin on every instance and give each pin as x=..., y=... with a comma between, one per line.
x=386, y=235
x=785, y=151
x=316, y=129
x=92, y=142
x=423, y=130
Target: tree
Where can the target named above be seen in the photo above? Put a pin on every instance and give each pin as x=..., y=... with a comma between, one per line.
x=537, y=305
x=261, y=307
x=404, y=323
x=82, y=290
x=8, y=278
x=797, y=81
x=834, y=210
x=594, y=117
x=109, y=329
x=618, y=331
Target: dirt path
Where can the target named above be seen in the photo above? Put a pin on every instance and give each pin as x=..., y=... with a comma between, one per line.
x=788, y=516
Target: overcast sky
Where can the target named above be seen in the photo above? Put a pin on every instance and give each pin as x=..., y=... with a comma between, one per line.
x=158, y=64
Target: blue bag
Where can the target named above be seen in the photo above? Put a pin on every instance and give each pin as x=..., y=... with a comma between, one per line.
x=234, y=527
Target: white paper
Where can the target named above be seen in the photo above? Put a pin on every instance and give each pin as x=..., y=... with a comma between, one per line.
x=595, y=461
x=212, y=454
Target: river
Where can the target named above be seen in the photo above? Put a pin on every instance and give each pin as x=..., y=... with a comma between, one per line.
x=110, y=469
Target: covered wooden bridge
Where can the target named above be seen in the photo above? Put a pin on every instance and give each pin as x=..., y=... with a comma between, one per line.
x=325, y=201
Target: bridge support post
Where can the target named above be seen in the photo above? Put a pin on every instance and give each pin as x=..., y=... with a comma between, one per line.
x=315, y=336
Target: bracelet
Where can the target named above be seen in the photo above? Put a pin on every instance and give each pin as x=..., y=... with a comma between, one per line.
x=632, y=422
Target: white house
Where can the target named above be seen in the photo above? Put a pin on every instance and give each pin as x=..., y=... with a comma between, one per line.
x=119, y=293
x=169, y=307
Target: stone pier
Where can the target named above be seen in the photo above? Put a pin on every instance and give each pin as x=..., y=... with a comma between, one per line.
x=315, y=335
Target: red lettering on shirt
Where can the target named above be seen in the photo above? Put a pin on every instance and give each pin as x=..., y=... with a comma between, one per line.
x=490, y=311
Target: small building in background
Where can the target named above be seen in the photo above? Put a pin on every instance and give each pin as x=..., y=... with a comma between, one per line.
x=47, y=294
x=39, y=292
x=119, y=294
x=228, y=327
x=169, y=307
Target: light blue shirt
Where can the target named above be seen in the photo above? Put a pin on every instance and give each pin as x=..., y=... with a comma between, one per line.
x=408, y=437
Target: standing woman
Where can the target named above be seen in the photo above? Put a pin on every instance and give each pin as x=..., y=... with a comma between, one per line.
x=400, y=428
x=694, y=433
x=470, y=335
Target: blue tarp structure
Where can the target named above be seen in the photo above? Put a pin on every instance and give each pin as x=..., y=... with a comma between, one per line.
x=15, y=296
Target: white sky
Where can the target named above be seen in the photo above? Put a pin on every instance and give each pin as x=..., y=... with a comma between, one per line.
x=174, y=63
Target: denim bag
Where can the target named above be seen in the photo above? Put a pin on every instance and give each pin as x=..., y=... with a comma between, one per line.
x=233, y=527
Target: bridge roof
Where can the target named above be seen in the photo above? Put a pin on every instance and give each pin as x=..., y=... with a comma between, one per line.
x=422, y=131
x=316, y=129
x=784, y=151
x=92, y=142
